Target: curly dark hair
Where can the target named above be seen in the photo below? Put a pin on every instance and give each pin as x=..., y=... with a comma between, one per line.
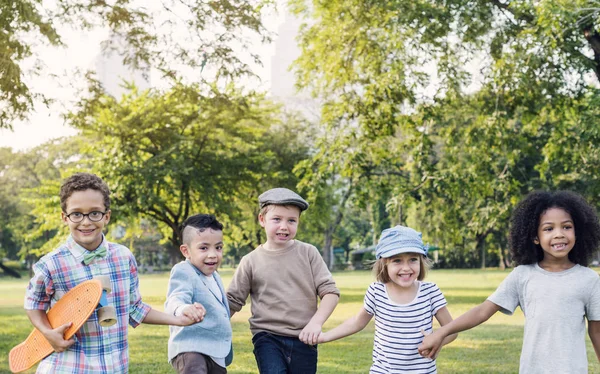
x=525, y=222
x=82, y=182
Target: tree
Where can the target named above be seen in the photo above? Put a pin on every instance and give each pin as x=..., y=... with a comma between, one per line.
x=571, y=156
x=10, y=208
x=47, y=165
x=171, y=36
x=470, y=144
x=345, y=169
x=167, y=155
x=29, y=184
x=286, y=143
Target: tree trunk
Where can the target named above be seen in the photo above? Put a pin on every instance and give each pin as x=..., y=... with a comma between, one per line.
x=400, y=215
x=501, y=258
x=174, y=253
x=507, y=259
x=372, y=220
x=327, y=248
x=9, y=271
x=30, y=262
x=481, y=243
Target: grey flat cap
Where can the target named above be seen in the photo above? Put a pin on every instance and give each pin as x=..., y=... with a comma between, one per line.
x=282, y=196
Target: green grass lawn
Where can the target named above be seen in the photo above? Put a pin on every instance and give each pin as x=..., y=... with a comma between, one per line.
x=493, y=347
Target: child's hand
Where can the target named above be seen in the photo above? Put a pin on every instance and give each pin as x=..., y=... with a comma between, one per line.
x=322, y=338
x=194, y=312
x=310, y=333
x=182, y=321
x=56, y=338
x=431, y=345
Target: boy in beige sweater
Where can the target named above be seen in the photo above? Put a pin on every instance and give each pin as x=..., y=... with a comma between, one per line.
x=284, y=278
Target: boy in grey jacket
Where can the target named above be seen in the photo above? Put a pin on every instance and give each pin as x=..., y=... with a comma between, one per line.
x=196, y=290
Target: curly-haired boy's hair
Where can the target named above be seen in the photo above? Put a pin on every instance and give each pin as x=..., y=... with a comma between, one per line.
x=381, y=273
x=82, y=182
x=525, y=221
x=198, y=222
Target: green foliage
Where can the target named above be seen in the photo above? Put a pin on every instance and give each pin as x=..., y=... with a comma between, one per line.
x=571, y=155
x=171, y=37
x=450, y=112
x=167, y=155
x=286, y=142
x=19, y=18
x=30, y=181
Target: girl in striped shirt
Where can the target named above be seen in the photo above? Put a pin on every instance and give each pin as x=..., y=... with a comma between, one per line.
x=403, y=305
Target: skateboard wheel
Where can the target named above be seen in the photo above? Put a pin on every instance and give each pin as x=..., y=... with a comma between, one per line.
x=105, y=280
x=107, y=316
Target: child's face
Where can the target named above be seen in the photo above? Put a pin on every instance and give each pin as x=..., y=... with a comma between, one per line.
x=86, y=233
x=404, y=269
x=556, y=235
x=205, y=251
x=281, y=225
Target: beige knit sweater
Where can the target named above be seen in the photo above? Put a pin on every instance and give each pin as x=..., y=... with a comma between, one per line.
x=283, y=286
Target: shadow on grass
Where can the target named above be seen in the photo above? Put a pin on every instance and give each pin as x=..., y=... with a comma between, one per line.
x=484, y=349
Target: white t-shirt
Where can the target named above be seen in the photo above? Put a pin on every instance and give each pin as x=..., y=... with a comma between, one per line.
x=398, y=328
x=555, y=305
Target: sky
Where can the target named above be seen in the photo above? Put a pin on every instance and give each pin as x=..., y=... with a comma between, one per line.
x=80, y=54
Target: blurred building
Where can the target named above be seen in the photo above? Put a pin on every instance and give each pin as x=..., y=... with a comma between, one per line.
x=113, y=73
x=283, y=81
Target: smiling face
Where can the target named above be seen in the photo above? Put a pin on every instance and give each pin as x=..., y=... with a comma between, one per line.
x=403, y=269
x=204, y=249
x=281, y=224
x=86, y=233
x=556, y=235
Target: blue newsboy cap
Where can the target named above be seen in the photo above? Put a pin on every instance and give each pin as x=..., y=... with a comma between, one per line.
x=399, y=239
x=282, y=196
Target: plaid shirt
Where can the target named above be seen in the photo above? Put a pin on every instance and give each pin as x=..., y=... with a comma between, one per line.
x=97, y=349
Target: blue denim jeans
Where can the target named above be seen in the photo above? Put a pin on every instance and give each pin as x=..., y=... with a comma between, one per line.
x=276, y=354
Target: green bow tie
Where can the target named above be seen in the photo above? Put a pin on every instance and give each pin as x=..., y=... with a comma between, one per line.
x=89, y=256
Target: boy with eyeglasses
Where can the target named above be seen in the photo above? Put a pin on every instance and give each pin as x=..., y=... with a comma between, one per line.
x=85, y=203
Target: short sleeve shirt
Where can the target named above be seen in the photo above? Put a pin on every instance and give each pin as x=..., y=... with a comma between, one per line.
x=398, y=328
x=555, y=305
x=97, y=349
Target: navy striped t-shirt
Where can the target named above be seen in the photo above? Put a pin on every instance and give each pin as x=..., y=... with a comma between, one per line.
x=398, y=328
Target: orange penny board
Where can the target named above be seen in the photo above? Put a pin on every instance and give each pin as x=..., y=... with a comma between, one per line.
x=75, y=306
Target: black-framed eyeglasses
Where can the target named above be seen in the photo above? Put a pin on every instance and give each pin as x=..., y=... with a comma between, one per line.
x=94, y=216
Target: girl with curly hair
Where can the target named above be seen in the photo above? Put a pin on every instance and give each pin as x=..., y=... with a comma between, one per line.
x=553, y=236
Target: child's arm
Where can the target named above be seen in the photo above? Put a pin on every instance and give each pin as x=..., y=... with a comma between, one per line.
x=311, y=331
x=239, y=288
x=180, y=296
x=443, y=317
x=154, y=317
x=594, y=332
x=55, y=337
x=348, y=327
x=433, y=343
